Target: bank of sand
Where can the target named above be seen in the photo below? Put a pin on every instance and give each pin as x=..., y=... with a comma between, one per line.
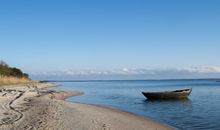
x=33, y=107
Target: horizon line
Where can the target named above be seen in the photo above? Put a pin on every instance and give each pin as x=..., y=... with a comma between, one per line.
x=100, y=80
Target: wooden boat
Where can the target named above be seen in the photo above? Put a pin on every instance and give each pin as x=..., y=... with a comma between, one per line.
x=178, y=94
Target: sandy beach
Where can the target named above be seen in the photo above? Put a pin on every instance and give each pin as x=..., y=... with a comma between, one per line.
x=34, y=107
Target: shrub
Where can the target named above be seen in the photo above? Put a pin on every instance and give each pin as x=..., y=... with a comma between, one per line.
x=7, y=71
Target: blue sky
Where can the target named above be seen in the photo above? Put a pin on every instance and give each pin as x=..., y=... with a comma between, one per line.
x=128, y=38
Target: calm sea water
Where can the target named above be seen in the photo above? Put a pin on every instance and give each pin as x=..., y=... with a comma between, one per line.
x=200, y=111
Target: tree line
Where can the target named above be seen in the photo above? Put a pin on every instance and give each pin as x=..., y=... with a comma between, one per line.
x=6, y=70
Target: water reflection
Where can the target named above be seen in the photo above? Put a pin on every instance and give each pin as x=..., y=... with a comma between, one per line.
x=183, y=104
x=179, y=101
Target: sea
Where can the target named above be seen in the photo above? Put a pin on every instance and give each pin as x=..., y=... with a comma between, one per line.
x=201, y=111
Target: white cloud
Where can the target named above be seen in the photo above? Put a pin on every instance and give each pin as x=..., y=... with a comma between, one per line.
x=186, y=72
x=212, y=69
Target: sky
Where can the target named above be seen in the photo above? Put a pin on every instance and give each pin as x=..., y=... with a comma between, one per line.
x=111, y=39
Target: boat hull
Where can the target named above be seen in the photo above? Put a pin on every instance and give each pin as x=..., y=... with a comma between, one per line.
x=179, y=94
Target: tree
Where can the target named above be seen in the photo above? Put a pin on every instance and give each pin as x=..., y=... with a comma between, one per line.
x=25, y=75
x=3, y=63
x=5, y=70
x=16, y=72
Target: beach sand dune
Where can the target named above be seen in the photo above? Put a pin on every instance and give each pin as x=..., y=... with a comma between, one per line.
x=34, y=107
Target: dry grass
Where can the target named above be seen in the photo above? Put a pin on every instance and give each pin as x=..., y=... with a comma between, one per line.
x=13, y=80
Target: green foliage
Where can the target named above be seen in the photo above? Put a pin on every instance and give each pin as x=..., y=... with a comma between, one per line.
x=5, y=70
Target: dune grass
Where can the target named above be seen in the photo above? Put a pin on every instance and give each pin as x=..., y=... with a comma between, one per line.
x=13, y=80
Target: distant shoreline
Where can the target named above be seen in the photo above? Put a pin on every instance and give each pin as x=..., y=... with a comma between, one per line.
x=35, y=107
x=217, y=79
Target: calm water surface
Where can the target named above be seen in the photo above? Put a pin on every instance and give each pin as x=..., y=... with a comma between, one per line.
x=201, y=111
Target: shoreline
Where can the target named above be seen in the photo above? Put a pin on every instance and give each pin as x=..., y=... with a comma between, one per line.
x=45, y=109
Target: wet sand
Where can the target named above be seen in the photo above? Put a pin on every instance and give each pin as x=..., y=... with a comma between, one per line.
x=34, y=107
